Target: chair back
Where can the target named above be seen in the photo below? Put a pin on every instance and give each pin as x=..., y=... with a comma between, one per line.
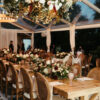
x=98, y=62
x=94, y=73
x=3, y=69
x=78, y=68
x=43, y=87
x=14, y=75
x=69, y=61
x=27, y=82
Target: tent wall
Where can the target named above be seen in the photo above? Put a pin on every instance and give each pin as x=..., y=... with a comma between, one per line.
x=6, y=35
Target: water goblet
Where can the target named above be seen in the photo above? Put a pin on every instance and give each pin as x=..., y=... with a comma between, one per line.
x=71, y=77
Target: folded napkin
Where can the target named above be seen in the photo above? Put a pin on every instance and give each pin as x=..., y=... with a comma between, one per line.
x=84, y=79
x=55, y=83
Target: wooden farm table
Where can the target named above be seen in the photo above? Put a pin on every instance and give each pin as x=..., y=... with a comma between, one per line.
x=82, y=89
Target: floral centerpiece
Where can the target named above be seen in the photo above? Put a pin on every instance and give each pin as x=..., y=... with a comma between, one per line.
x=56, y=70
x=61, y=54
x=43, y=11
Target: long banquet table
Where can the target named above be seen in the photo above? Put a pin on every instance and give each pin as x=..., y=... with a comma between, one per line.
x=82, y=89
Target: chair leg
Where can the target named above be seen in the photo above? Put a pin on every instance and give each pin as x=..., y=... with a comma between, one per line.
x=6, y=87
x=1, y=86
x=12, y=94
x=16, y=95
x=23, y=97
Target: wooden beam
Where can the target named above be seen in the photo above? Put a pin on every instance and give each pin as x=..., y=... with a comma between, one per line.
x=65, y=21
x=89, y=26
x=21, y=26
x=36, y=23
x=76, y=18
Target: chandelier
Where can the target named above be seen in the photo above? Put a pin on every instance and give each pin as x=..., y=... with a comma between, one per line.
x=40, y=11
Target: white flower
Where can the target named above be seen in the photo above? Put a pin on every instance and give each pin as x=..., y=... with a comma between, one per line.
x=20, y=55
x=16, y=0
x=17, y=55
x=48, y=62
x=56, y=1
x=57, y=6
x=52, y=60
x=60, y=4
x=67, y=71
x=27, y=55
x=42, y=1
x=50, y=6
x=28, y=1
x=58, y=64
x=62, y=0
x=24, y=56
x=36, y=56
x=53, y=70
x=45, y=71
x=69, y=3
x=31, y=55
x=49, y=2
x=13, y=54
x=8, y=50
x=5, y=52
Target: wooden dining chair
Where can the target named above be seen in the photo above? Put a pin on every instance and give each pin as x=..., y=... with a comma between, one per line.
x=44, y=88
x=95, y=72
x=29, y=92
x=5, y=80
x=0, y=75
x=17, y=86
x=78, y=69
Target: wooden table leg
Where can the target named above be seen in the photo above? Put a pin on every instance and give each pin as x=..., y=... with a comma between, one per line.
x=84, y=97
x=94, y=96
x=73, y=99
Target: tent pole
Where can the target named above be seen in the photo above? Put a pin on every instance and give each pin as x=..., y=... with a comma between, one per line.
x=48, y=39
x=32, y=41
x=72, y=37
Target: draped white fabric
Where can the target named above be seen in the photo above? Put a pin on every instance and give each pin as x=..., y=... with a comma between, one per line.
x=6, y=35
x=48, y=40
x=72, y=37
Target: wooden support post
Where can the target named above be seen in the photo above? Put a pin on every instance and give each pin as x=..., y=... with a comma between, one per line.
x=32, y=41
x=72, y=37
x=48, y=39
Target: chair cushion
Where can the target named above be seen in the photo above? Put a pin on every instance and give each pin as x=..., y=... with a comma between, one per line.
x=20, y=85
x=27, y=95
x=9, y=78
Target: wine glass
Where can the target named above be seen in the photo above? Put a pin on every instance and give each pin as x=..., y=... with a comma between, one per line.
x=71, y=77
